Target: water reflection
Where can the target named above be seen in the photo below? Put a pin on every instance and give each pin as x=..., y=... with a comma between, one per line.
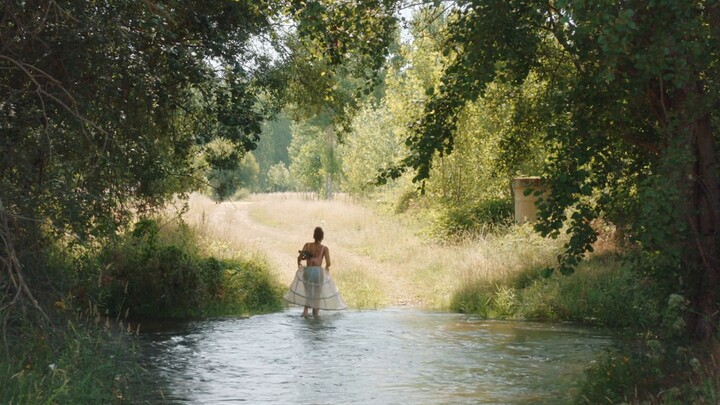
x=391, y=356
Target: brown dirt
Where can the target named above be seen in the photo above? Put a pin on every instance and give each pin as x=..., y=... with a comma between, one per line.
x=233, y=223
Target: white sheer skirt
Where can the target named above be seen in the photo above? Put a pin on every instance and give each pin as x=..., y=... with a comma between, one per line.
x=313, y=287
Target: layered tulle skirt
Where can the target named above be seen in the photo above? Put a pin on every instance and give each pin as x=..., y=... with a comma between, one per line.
x=313, y=287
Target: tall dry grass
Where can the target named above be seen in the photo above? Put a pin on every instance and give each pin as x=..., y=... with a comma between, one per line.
x=377, y=259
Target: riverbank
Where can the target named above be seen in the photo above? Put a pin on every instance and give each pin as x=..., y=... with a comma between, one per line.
x=380, y=259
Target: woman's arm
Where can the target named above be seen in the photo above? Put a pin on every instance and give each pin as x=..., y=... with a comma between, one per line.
x=327, y=258
x=300, y=257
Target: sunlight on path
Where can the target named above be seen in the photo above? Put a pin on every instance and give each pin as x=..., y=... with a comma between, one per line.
x=366, y=248
x=377, y=260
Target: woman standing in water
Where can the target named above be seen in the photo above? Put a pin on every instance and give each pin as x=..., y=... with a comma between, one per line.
x=312, y=286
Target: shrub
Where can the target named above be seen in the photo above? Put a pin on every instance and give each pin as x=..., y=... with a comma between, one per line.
x=601, y=292
x=481, y=217
x=473, y=297
x=164, y=275
x=653, y=372
x=608, y=296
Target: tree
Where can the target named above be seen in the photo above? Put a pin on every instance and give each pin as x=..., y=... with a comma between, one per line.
x=104, y=107
x=313, y=159
x=273, y=148
x=229, y=169
x=631, y=120
x=105, y=104
x=333, y=60
x=278, y=178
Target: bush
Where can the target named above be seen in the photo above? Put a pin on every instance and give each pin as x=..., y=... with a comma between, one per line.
x=482, y=217
x=166, y=276
x=611, y=296
x=599, y=293
x=653, y=372
x=472, y=298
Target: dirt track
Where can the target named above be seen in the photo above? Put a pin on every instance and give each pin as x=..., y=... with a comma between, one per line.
x=235, y=223
x=231, y=222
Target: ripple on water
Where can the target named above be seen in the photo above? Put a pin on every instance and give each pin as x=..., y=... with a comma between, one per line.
x=389, y=356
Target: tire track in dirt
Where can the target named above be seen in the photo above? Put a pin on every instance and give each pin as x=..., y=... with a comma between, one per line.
x=233, y=222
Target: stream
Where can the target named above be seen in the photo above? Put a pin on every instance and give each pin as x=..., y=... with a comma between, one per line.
x=386, y=356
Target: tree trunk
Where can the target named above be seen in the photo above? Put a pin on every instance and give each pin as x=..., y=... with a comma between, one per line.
x=330, y=139
x=704, y=218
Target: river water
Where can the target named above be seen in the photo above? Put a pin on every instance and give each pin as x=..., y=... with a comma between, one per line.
x=387, y=356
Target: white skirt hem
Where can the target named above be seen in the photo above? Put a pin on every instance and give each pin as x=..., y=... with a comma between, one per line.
x=313, y=287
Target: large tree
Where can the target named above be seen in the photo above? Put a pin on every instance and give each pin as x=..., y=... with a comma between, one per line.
x=106, y=104
x=104, y=107
x=630, y=115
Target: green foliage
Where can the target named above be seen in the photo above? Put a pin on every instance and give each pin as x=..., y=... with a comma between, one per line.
x=625, y=110
x=614, y=298
x=152, y=277
x=473, y=218
x=613, y=379
x=315, y=161
x=338, y=53
x=122, y=92
x=634, y=372
x=226, y=184
x=405, y=201
x=228, y=169
x=458, y=197
x=82, y=362
x=602, y=294
x=374, y=144
x=272, y=151
x=279, y=178
x=306, y=163
x=473, y=298
x=222, y=154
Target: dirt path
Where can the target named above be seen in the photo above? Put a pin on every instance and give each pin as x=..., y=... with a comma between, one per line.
x=278, y=238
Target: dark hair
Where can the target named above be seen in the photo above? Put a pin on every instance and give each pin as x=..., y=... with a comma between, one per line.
x=318, y=234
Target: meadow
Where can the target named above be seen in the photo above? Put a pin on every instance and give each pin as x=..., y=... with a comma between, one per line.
x=378, y=259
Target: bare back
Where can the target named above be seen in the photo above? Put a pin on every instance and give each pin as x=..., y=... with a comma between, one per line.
x=318, y=253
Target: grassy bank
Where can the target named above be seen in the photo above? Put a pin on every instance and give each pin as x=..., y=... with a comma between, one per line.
x=96, y=298
x=237, y=258
x=76, y=360
x=166, y=269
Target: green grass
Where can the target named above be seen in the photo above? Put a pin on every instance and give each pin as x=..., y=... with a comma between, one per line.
x=160, y=269
x=163, y=272
x=360, y=289
x=76, y=362
x=602, y=292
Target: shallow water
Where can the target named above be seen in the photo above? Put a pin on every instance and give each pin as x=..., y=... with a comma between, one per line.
x=388, y=356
